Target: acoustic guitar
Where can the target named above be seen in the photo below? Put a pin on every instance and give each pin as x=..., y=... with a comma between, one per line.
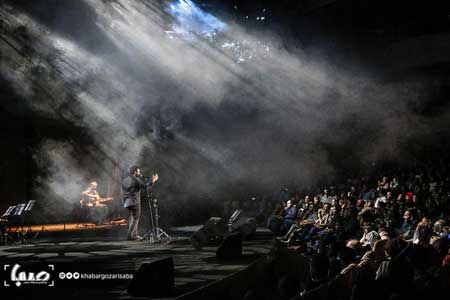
x=96, y=202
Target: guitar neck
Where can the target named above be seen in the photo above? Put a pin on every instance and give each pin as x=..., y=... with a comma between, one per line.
x=104, y=199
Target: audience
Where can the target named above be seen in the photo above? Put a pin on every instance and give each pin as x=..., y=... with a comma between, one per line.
x=386, y=238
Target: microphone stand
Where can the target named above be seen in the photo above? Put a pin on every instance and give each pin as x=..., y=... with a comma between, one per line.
x=154, y=234
x=150, y=234
x=158, y=231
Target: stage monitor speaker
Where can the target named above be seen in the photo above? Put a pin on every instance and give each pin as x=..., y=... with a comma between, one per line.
x=215, y=227
x=231, y=247
x=154, y=279
x=240, y=223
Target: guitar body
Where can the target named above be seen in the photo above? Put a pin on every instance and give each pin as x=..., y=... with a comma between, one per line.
x=96, y=202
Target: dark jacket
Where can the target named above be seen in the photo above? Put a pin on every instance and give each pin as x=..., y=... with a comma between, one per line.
x=131, y=189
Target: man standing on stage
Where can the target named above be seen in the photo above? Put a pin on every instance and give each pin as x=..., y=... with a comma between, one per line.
x=131, y=188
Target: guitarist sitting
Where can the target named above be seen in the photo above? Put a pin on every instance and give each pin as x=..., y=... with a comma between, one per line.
x=90, y=195
x=91, y=198
x=91, y=204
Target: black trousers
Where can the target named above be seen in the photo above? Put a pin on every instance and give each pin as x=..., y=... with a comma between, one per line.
x=133, y=223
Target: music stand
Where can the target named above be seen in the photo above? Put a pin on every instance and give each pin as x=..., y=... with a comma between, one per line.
x=27, y=210
x=21, y=211
x=9, y=211
x=233, y=219
x=18, y=213
x=29, y=205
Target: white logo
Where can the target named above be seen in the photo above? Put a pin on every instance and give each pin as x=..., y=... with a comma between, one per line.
x=21, y=277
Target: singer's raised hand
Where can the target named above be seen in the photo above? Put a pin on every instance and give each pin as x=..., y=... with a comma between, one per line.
x=155, y=178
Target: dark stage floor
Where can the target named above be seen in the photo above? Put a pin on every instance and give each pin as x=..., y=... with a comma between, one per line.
x=109, y=255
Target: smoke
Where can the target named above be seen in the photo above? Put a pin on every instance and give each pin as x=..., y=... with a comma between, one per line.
x=66, y=178
x=207, y=103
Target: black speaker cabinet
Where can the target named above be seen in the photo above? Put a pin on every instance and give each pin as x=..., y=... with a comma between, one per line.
x=231, y=247
x=213, y=229
x=154, y=279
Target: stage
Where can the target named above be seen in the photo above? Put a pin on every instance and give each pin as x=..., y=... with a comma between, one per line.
x=88, y=251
